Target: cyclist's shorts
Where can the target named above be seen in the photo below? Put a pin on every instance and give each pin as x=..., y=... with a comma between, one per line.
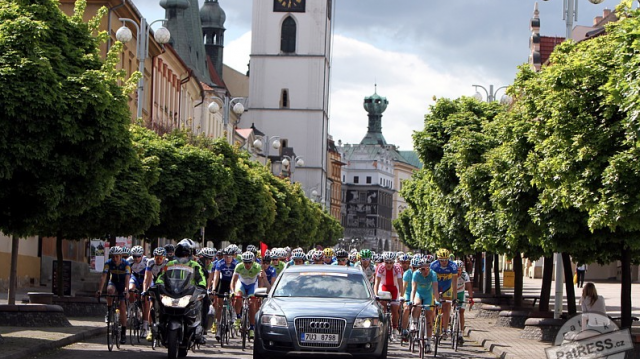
x=446, y=295
x=135, y=280
x=246, y=289
x=393, y=290
x=425, y=298
x=223, y=287
x=119, y=288
x=407, y=297
x=461, y=297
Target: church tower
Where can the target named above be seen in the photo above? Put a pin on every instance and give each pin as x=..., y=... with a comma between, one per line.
x=289, y=81
x=213, y=17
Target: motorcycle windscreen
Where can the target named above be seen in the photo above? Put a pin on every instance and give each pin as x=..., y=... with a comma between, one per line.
x=178, y=279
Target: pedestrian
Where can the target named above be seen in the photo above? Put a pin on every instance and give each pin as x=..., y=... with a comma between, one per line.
x=581, y=269
x=592, y=303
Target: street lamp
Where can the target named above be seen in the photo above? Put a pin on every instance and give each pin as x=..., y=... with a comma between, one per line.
x=289, y=164
x=162, y=37
x=271, y=142
x=313, y=194
x=228, y=104
x=491, y=94
x=570, y=13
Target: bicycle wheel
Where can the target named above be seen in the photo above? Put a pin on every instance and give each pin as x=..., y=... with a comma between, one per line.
x=244, y=327
x=456, y=331
x=110, y=328
x=437, y=333
x=133, y=323
x=421, y=336
x=117, y=331
x=223, y=326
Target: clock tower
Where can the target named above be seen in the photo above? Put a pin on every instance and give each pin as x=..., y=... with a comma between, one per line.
x=289, y=82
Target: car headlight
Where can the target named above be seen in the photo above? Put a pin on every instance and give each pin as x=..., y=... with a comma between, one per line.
x=181, y=302
x=273, y=320
x=366, y=323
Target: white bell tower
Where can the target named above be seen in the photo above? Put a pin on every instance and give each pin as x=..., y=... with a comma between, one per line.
x=289, y=82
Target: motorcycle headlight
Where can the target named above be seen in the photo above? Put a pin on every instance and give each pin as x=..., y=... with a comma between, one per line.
x=181, y=302
x=273, y=320
x=366, y=323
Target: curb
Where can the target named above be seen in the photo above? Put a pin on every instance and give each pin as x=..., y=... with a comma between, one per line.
x=38, y=349
x=492, y=346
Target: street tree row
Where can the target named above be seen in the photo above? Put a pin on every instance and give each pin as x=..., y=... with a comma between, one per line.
x=555, y=171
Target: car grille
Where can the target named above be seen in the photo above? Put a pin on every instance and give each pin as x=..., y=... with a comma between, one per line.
x=335, y=326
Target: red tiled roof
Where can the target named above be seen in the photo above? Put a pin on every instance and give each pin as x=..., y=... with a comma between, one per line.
x=244, y=132
x=547, y=44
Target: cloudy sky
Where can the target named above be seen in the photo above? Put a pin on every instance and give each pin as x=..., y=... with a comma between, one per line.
x=413, y=49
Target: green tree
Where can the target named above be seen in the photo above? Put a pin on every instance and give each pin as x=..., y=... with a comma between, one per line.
x=63, y=118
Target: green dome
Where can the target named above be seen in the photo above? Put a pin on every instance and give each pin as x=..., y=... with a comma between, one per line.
x=174, y=4
x=212, y=15
x=375, y=104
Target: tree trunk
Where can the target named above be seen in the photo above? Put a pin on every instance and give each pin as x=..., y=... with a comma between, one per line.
x=13, y=273
x=625, y=288
x=60, y=269
x=568, y=280
x=496, y=269
x=488, y=262
x=477, y=272
x=518, y=282
x=545, y=292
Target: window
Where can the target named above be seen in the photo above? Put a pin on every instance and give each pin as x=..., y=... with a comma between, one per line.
x=343, y=178
x=368, y=179
x=284, y=99
x=288, y=36
x=356, y=179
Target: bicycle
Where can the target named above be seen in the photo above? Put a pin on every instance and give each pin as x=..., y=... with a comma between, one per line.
x=226, y=321
x=114, y=328
x=134, y=317
x=244, y=321
x=437, y=327
x=456, y=337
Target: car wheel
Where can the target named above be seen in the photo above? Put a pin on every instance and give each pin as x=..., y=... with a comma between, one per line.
x=385, y=350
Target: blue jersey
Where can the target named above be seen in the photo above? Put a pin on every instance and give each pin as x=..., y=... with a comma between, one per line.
x=445, y=274
x=408, y=278
x=271, y=273
x=118, y=273
x=226, y=271
x=424, y=284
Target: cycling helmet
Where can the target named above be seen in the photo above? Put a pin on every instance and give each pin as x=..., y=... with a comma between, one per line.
x=341, y=253
x=126, y=252
x=416, y=262
x=115, y=250
x=308, y=256
x=404, y=258
x=266, y=258
x=251, y=248
x=297, y=250
x=365, y=254
x=328, y=252
x=228, y=252
x=353, y=257
x=207, y=252
x=388, y=256
x=378, y=258
x=137, y=251
x=160, y=251
x=169, y=248
x=188, y=243
x=429, y=258
x=287, y=249
x=399, y=254
x=248, y=257
x=443, y=253
x=298, y=255
x=460, y=264
x=425, y=263
x=317, y=256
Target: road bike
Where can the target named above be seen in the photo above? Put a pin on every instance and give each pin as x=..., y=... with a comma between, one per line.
x=114, y=328
x=437, y=328
x=134, y=317
x=456, y=329
x=226, y=321
x=244, y=321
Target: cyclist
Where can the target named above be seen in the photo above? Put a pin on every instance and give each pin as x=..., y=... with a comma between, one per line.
x=424, y=289
x=170, y=250
x=138, y=265
x=447, y=272
x=365, y=264
x=118, y=271
x=464, y=283
x=269, y=273
x=222, y=281
x=328, y=256
x=206, y=262
x=154, y=267
x=277, y=262
x=183, y=256
x=352, y=259
x=253, y=249
x=342, y=258
x=407, y=283
x=317, y=257
x=297, y=259
x=245, y=278
x=126, y=254
x=389, y=278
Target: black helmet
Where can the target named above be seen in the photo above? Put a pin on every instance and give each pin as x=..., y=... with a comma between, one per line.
x=183, y=251
x=169, y=248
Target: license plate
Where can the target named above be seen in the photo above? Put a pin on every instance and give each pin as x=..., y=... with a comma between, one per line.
x=319, y=338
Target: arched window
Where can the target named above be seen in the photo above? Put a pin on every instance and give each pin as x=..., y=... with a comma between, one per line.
x=288, y=36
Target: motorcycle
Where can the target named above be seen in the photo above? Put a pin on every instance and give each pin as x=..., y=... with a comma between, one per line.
x=178, y=308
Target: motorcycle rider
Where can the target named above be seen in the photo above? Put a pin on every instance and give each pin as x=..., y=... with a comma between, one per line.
x=183, y=256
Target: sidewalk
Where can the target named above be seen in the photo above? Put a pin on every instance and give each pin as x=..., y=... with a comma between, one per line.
x=505, y=342
x=25, y=342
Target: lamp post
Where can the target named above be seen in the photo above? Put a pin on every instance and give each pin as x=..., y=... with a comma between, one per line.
x=264, y=143
x=124, y=34
x=313, y=194
x=570, y=13
x=491, y=94
x=289, y=164
x=228, y=104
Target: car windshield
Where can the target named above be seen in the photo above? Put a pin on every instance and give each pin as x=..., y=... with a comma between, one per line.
x=323, y=285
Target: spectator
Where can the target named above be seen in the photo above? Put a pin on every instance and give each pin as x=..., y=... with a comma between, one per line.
x=592, y=303
x=581, y=269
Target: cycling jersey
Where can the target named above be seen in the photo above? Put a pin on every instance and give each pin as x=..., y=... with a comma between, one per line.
x=369, y=271
x=137, y=272
x=271, y=273
x=407, y=277
x=424, y=285
x=445, y=274
x=279, y=267
x=389, y=279
x=248, y=276
x=226, y=270
x=154, y=268
x=117, y=274
x=463, y=279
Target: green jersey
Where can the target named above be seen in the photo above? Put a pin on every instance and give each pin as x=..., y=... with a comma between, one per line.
x=248, y=276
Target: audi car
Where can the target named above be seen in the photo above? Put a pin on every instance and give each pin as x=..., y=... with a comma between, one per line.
x=319, y=310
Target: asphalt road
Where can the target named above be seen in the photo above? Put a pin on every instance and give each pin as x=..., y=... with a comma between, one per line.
x=97, y=348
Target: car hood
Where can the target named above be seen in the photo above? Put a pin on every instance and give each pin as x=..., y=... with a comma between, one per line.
x=323, y=307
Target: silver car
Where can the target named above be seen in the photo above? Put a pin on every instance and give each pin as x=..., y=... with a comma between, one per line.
x=319, y=310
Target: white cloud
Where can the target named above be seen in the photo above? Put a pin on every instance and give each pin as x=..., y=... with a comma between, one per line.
x=236, y=52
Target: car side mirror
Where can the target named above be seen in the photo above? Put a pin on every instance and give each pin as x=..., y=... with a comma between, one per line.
x=384, y=295
x=261, y=293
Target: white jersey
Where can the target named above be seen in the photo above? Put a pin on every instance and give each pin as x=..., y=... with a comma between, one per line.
x=369, y=271
x=462, y=280
x=154, y=268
